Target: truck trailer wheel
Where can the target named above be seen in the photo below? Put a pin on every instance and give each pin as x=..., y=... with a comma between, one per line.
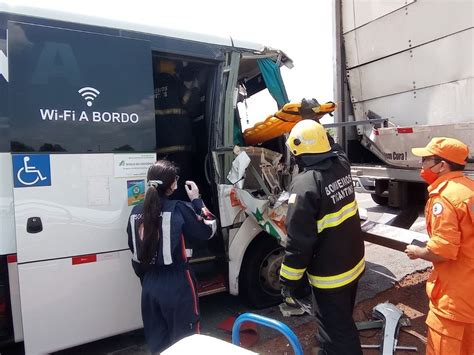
x=259, y=282
x=380, y=200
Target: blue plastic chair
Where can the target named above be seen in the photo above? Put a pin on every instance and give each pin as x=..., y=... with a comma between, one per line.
x=268, y=322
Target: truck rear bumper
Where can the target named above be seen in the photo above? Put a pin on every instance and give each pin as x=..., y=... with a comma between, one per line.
x=370, y=173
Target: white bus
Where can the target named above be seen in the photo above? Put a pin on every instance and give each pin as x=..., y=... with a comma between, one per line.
x=77, y=133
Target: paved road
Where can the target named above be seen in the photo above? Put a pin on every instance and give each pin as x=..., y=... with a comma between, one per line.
x=384, y=268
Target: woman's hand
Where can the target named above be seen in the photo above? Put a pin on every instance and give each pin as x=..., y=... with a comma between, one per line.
x=192, y=190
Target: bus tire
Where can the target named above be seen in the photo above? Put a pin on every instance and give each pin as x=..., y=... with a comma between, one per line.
x=259, y=283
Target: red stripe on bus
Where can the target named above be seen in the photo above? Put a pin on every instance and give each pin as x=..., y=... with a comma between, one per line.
x=84, y=259
x=11, y=258
x=405, y=130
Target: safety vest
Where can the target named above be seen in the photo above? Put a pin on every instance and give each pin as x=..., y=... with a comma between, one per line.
x=324, y=235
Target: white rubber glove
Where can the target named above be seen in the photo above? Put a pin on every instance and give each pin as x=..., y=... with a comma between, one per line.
x=192, y=190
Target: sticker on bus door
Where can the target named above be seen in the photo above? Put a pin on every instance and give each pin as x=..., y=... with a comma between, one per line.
x=31, y=170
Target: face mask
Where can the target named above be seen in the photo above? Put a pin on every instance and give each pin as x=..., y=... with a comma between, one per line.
x=429, y=175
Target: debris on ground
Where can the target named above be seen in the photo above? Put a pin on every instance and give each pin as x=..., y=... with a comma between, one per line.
x=408, y=295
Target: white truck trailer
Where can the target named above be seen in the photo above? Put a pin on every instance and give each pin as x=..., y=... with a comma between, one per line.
x=409, y=62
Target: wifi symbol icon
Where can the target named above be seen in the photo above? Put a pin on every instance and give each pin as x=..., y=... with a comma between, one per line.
x=89, y=94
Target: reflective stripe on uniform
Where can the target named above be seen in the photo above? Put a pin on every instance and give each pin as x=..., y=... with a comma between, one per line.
x=336, y=218
x=170, y=111
x=166, y=227
x=213, y=225
x=134, y=241
x=291, y=274
x=337, y=280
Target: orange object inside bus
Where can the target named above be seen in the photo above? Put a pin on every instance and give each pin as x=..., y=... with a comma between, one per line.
x=282, y=122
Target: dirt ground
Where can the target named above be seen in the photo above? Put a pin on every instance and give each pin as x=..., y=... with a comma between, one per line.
x=408, y=295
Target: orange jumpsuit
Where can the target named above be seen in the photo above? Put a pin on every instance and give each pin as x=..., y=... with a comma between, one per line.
x=450, y=223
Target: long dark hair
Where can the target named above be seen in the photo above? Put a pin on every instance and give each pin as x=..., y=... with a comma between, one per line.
x=160, y=177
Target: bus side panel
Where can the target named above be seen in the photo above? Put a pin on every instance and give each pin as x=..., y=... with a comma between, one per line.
x=84, y=210
x=7, y=215
x=15, y=298
x=75, y=276
x=11, y=322
x=91, y=300
x=82, y=138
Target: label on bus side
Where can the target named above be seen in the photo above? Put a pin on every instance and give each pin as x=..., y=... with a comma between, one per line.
x=130, y=165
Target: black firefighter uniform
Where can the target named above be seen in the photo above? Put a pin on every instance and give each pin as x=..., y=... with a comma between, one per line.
x=324, y=243
x=172, y=123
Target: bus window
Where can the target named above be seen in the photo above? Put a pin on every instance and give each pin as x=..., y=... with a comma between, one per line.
x=4, y=124
x=256, y=108
x=79, y=92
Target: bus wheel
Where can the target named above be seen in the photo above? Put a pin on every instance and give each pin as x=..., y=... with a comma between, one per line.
x=259, y=280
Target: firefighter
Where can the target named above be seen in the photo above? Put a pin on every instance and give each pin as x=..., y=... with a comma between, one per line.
x=159, y=231
x=324, y=246
x=449, y=215
x=172, y=121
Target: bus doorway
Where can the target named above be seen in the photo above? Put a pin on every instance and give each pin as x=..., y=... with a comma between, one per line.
x=181, y=122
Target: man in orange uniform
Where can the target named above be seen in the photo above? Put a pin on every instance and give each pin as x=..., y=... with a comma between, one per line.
x=450, y=223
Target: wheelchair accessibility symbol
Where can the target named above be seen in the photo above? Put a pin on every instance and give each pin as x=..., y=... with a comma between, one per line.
x=31, y=170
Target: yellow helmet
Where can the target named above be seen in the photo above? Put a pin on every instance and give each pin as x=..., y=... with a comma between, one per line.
x=308, y=136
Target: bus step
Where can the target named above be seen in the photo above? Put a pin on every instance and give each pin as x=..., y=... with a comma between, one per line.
x=211, y=286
